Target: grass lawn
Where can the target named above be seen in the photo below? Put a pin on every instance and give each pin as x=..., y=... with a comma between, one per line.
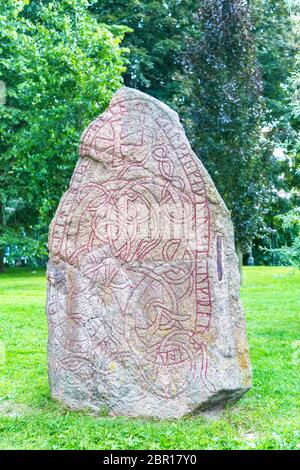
x=268, y=417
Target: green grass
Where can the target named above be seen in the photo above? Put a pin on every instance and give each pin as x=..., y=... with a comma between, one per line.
x=267, y=417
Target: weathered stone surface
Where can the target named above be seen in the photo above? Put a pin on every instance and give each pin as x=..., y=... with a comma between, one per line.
x=143, y=285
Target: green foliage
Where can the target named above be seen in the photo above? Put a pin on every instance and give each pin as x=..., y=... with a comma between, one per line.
x=61, y=68
x=266, y=418
x=276, y=47
x=24, y=249
x=156, y=43
x=294, y=108
x=225, y=110
x=200, y=58
x=276, y=33
x=233, y=79
x=291, y=254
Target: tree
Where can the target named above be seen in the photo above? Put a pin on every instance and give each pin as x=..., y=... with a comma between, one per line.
x=225, y=109
x=276, y=37
x=290, y=252
x=61, y=68
x=275, y=43
x=200, y=58
x=156, y=42
x=227, y=76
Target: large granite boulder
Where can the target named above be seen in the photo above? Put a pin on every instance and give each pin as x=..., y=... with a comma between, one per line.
x=143, y=284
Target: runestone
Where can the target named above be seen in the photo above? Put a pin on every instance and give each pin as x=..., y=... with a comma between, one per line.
x=143, y=305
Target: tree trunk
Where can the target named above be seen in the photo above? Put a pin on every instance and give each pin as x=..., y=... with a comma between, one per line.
x=239, y=252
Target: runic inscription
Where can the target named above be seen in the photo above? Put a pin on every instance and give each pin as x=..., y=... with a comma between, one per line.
x=130, y=301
